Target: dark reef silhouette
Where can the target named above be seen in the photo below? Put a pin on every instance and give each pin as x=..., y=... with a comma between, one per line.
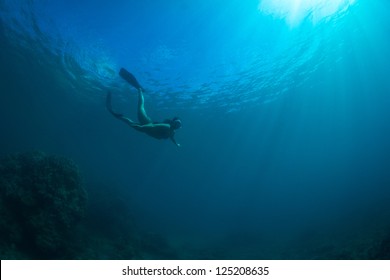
x=42, y=199
x=45, y=213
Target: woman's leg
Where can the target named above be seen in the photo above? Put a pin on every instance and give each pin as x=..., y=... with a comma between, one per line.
x=118, y=115
x=142, y=116
x=132, y=124
x=109, y=106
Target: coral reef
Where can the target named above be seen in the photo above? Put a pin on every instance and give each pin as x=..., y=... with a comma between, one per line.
x=44, y=215
x=42, y=200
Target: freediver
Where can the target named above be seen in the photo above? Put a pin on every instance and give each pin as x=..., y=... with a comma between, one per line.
x=158, y=130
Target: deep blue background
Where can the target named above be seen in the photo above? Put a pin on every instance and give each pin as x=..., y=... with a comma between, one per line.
x=286, y=129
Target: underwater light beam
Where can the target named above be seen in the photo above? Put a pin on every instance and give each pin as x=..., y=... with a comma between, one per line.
x=295, y=11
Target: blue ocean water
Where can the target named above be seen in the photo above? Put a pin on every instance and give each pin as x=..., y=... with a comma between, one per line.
x=285, y=144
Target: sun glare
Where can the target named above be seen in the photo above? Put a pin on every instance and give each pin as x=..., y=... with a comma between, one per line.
x=295, y=11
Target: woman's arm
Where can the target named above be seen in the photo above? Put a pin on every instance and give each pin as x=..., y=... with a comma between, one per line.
x=174, y=141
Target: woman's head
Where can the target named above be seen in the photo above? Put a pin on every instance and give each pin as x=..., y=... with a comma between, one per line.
x=175, y=123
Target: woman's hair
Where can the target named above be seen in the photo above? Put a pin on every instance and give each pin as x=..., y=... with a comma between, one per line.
x=175, y=123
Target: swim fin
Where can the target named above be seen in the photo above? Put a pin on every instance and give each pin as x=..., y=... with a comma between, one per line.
x=109, y=106
x=128, y=77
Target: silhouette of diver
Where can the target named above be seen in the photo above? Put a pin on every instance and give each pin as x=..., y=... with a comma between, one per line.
x=158, y=130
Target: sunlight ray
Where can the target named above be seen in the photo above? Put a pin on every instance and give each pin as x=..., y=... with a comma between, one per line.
x=295, y=11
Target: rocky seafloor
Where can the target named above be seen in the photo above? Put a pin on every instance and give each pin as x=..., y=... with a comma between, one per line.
x=47, y=213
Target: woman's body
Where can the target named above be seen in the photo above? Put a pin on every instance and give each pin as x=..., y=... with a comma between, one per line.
x=158, y=130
